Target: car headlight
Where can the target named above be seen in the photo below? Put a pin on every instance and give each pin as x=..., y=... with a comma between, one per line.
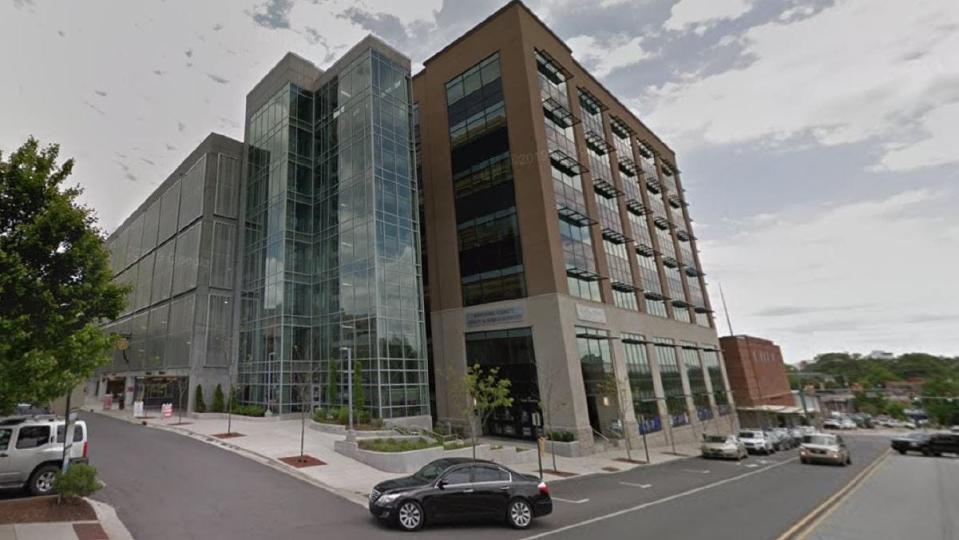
x=388, y=498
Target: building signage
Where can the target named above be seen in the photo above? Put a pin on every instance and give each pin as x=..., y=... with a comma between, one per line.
x=488, y=317
x=590, y=313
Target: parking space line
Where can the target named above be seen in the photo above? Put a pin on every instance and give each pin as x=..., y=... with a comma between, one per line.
x=581, y=501
x=642, y=486
x=657, y=501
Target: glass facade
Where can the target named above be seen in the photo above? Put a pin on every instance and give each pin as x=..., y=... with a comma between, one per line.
x=490, y=257
x=596, y=363
x=641, y=384
x=332, y=266
x=697, y=381
x=511, y=352
x=672, y=381
x=711, y=361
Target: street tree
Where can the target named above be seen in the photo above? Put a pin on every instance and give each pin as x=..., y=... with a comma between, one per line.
x=485, y=392
x=550, y=404
x=55, y=280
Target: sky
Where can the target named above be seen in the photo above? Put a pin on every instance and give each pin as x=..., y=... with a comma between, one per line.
x=818, y=140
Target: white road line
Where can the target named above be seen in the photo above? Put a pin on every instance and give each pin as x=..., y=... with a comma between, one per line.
x=581, y=501
x=658, y=501
x=704, y=471
x=643, y=486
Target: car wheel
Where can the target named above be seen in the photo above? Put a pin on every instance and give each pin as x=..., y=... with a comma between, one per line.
x=902, y=452
x=410, y=516
x=848, y=460
x=520, y=514
x=41, y=481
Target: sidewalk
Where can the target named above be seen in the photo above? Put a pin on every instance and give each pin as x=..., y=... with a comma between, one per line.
x=107, y=526
x=268, y=441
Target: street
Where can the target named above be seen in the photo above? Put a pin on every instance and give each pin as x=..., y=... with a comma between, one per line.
x=908, y=496
x=165, y=485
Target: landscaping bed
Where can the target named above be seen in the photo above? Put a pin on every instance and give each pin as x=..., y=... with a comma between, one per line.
x=45, y=510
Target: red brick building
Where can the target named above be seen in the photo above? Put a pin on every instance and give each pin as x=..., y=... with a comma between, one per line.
x=757, y=374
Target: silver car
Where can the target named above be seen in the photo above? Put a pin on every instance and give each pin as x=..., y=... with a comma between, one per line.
x=723, y=446
x=756, y=441
x=824, y=448
x=31, y=451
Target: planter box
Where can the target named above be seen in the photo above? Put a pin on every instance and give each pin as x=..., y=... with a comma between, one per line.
x=337, y=429
x=569, y=449
x=222, y=416
x=414, y=460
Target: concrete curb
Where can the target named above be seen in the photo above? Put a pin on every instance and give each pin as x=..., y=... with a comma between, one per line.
x=807, y=523
x=109, y=520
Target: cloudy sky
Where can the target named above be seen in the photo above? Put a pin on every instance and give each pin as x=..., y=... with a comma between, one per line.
x=818, y=140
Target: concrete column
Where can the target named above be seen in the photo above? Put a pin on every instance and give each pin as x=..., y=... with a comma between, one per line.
x=625, y=394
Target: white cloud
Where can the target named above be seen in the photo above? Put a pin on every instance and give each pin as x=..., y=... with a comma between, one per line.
x=939, y=146
x=873, y=274
x=700, y=15
x=604, y=58
x=857, y=71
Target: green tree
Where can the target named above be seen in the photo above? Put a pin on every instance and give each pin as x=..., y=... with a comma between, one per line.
x=218, y=400
x=198, y=404
x=941, y=400
x=332, y=383
x=359, y=394
x=55, y=280
x=485, y=393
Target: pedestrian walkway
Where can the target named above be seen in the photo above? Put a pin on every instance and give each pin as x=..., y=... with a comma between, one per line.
x=107, y=526
x=269, y=440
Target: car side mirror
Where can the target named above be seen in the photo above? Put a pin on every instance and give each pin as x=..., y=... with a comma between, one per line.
x=442, y=484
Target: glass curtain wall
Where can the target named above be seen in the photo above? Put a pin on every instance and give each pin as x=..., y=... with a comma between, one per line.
x=491, y=262
x=596, y=362
x=511, y=352
x=697, y=381
x=641, y=384
x=711, y=361
x=672, y=381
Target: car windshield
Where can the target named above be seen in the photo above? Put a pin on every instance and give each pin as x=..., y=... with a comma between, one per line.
x=430, y=472
x=714, y=438
x=824, y=440
x=748, y=435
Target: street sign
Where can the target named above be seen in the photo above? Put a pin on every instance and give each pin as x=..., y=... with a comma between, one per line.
x=537, y=420
x=107, y=402
x=138, y=409
x=166, y=410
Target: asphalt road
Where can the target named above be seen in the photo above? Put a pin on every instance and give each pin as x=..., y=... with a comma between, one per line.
x=167, y=486
x=170, y=487
x=908, y=496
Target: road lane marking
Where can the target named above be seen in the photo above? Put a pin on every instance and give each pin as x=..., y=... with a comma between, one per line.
x=698, y=471
x=643, y=486
x=750, y=465
x=657, y=501
x=810, y=521
x=581, y=501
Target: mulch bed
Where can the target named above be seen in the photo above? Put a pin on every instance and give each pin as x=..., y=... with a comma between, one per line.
x=633, y=461
x=610, y=469
x=562, y=474
x=230, y=435
x=90, y=531
x=302, y=461
x=44, y=510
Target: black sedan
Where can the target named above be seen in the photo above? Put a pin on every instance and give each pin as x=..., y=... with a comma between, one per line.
x=915, y=442
x=460, y=489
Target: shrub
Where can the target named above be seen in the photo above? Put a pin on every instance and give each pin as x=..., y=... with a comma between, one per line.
x=218, y=400
x=321, y=415
x=343, y=415
x=80, y=480
x=248, y=410
x=199, y=405
x=561, y=436
x=396, y=445
x=456, y=445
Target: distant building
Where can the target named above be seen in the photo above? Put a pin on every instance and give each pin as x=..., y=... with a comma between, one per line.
x=757, y=374
x=903, y=391
x=880, y=355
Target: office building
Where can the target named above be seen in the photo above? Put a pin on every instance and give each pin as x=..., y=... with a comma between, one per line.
x=552, y=241
x=306, y=270
x=757, y=373
x=558, y=245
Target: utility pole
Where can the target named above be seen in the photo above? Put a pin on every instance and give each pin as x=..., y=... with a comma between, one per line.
x=725, y=309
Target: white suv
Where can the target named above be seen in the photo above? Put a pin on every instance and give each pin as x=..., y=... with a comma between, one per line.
x=31, y=451
x=756, y=442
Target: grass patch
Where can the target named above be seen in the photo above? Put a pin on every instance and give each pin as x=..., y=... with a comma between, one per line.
x=521, y=449
x=456, y=445
x=396, y=445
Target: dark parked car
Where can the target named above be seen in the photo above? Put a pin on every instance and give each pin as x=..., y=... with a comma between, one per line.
x=460, y=489
x=913, y=442
x=934, y=444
